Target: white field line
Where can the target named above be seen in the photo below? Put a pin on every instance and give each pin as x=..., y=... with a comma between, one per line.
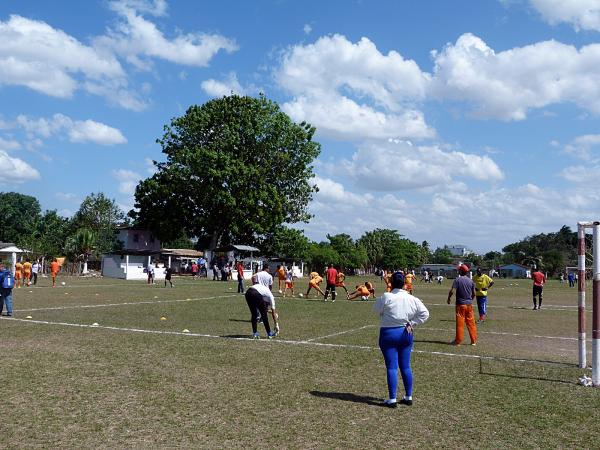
x=275, y=341
x=501, y=333
x=338, y=334
x=106, y=305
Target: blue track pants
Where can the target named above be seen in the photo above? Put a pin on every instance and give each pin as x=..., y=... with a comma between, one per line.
x=396, y=345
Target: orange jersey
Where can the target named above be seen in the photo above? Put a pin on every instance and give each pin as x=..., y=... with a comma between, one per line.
x=315, y=281
x=339, y=280
x=363, y=290
x=54, y=267
x=369, y=286
x=313, y=275
x=408, y=279
x=281, y=273
x=27, y=268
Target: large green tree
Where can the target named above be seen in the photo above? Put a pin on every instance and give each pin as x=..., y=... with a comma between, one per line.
x=287, y=243
x=18, y=215
x=100, y=215
x=236, y=168
x=388, y=249
x=351, y=254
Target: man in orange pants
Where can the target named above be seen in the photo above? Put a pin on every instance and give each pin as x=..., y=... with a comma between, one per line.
x=465, y=294
x=18, y=275
x=54, y=266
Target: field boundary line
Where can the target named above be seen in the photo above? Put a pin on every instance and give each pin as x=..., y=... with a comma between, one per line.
x=103, y=305
x=280, y=341
x=339, y=333
x=503, y=333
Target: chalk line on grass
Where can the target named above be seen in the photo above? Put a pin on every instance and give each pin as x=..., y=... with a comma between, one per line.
x=276, y=341
x=338, y=334
x=104, y=305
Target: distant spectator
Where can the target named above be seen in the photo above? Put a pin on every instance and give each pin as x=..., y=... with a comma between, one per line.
x=240, y=277
x=35, y=269
x=465, y=293
x=168, y=275
x=571, y=278
x=194, y=270
x=539, y=279
x=7, y=283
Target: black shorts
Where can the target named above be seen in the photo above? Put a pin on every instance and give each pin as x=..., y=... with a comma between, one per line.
x=537, y=290
x=330, y=287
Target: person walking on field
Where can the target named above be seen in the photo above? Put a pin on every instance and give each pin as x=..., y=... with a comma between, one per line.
x=482, y=284
x=18, y=274
x=465, y=293
x=168, y=275
x=7, y=283
x=539, y=279
x=280, y=272
x=331, y=274
x=54, y=267
x=399, y=312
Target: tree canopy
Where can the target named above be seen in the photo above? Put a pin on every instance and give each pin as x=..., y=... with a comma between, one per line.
x=18, y=214
x=236, y=168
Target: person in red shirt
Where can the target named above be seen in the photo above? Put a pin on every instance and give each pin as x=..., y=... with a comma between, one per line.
x=240, y=277
x=331, y=277
x=538, y=286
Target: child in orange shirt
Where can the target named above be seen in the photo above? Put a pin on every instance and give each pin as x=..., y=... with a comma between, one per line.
x=18, y=275
x=54, y=267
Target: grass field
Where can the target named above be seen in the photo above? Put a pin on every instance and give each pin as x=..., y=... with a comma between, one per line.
x=135, y=381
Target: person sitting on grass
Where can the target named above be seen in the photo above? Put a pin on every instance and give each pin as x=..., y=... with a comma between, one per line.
x=371, y=288
x=361, y=291
x=399, y=312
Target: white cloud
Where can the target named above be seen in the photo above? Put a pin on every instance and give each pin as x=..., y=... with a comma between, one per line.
x=581, y=14
x=307, y=28
x=215, y=88
x=47, y=60
x=505, y=85
x=582, y=146
x=399, y=165
x=78, y=131
x=67, y=197
x=9, y=144
x=15, y=170
x=582, y=174
x=137, y=39
x=352, y=90
x=128, y=180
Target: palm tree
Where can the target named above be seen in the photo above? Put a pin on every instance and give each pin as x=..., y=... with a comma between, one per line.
x=80, y=246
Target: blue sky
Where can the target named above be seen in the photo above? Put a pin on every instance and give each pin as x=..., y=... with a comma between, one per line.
x=471, y=122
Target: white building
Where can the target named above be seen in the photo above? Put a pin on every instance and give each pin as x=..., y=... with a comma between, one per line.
x=140, y=250
x=11, y=251
x=458, y=250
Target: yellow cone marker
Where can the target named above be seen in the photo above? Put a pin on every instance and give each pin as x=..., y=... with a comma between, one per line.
x=29, y=317
x=163, y=318
x=186, y=331
x=95, y=324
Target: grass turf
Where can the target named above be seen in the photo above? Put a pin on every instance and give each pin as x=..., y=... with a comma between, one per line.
x=116, y=386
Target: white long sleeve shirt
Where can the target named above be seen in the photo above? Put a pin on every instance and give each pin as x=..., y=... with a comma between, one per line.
x=265, y=292
x=397, y=308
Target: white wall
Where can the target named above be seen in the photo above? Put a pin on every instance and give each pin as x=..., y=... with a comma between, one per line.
x=114, y=266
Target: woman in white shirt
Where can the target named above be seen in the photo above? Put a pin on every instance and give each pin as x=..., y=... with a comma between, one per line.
x=399, y=312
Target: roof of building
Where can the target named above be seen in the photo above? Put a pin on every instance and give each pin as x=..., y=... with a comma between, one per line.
x=9, y=247
x=185, y=252
x=513, y=264
x=238, y=247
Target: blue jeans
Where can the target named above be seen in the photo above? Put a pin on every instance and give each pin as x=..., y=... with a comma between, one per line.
x=482, y=306
x=6, y=299
x=396, y=345
x=240, y=285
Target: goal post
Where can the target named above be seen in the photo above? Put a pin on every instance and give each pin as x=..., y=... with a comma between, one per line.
x=581, y=285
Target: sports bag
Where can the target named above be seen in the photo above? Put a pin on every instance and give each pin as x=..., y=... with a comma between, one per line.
x=8, y=281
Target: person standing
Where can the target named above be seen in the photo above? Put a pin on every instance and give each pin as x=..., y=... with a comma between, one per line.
x=18, y=274
x=482, y=284
x=280, y=272
x=35, y=268
x=539, y=279
x=194, y=270
x=259, y=298
x=168, y=275
x=409, y=279
x=571, y=278
x=331, y=277
x=240, y=277
x=27, y=272
x=7, y=283
x=54, y=267
x=399, y=312
x=150, y=269
x=465, y=293
x=289, y=281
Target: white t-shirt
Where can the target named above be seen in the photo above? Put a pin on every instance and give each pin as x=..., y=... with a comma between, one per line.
x=397, y=308
x=35, y=268
x=264, y=278
x=265, y=292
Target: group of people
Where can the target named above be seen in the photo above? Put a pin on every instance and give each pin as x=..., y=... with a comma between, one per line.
x=26, y=273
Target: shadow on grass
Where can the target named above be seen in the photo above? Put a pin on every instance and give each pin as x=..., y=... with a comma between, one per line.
x=433, y=341
x=237, y=336
x=240, y=320
x=349, y=397
x=525, y=377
